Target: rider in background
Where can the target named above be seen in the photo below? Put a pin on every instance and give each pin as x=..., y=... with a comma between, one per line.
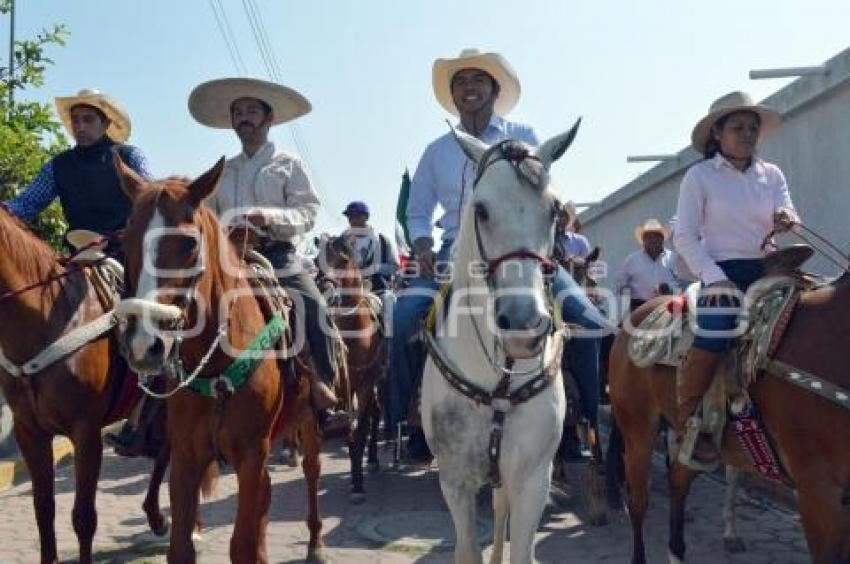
x=480, y=88
x=728, y=202
x=569, y=243
x=373, y=251
x=647, y=272
x=84, y=177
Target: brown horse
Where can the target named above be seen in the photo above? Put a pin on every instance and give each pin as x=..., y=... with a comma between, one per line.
x=809, y=433
x=355, y=316
x=73, y=396
x=199, y=305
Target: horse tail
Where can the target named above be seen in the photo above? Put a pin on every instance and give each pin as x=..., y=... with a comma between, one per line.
x=210, y=480
x=615, y=469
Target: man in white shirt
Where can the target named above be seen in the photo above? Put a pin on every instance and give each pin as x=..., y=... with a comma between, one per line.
x=479, y=88
x=265, y=196
x=647, y=272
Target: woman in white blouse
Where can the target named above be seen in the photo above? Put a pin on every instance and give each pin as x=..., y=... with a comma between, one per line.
x=728, y=202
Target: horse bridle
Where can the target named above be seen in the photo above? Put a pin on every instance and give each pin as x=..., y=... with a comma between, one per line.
x=511, y=151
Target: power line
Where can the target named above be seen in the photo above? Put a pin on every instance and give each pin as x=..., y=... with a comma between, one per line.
x=232, y=37
x=265, y=54
x=227, y=36
x=261, y=37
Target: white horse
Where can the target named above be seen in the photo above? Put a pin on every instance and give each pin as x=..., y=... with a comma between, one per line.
x=492, y=400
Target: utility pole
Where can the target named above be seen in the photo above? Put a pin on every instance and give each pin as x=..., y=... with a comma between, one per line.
x=11, y=54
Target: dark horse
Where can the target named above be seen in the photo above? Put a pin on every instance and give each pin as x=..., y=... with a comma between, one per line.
x=193, y=288
x=74, y=396
x=356, y=316
x=810, y=434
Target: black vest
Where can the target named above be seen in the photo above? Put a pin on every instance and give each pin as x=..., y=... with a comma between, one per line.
x=88, y=187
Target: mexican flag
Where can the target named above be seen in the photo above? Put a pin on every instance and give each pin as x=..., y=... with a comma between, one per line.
x=402, y=236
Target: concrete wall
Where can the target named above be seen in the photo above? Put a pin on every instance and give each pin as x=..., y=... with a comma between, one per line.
x=812, y=148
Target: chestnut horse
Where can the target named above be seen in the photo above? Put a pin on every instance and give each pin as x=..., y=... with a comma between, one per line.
x=72, y=396
x=366, y=355
x=809, y=433
x=198, y=304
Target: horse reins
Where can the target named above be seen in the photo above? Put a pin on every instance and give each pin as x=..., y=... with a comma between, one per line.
x=71, y=267
x=833, y=248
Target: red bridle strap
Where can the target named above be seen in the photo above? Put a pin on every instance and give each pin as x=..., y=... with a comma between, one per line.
x=522, y=254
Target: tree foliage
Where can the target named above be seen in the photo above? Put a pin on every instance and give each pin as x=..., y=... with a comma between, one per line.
x=30, y=134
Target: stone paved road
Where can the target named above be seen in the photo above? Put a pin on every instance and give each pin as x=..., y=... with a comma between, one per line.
x=400, y=507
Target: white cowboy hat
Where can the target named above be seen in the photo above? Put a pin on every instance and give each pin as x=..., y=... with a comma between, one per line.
x=119, y=122
x=651, y=226
x=209, y=103
x=729, y=104
x=492, y=63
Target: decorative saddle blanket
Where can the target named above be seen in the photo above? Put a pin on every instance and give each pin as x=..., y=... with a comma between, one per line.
x=665, y=335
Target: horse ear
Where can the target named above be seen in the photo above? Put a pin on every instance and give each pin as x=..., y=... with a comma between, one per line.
x=552, y=149
x=205, y=185
x=473, y=147
x=131, y=182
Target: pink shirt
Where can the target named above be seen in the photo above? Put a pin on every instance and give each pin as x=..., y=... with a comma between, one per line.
x=724, y=213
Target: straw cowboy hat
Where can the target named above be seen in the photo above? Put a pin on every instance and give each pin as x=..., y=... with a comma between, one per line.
x=492, y=63
x=729, y=104
x=209, y=103
x=119, y=121
x=651, y=226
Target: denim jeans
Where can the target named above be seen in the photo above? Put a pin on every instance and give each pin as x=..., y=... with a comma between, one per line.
x=582, y=350
x=742, y=272
x=407, y=354
x=310, y=311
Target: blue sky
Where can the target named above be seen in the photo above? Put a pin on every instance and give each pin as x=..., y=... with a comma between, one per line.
x=640, y=74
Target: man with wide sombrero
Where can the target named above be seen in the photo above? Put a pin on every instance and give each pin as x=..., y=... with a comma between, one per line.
x=647, y=273
x=83, y=177
x=265, y=196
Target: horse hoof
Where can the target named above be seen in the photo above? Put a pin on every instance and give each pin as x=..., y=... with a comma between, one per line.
x=163, y=528
x=317, y=556
x=197, y=536
x=357, y=498
x=734, y=545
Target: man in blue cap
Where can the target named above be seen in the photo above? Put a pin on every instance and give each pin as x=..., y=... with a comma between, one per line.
x=373, y=251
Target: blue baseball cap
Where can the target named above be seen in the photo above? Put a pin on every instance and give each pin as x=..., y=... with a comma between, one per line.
x=356, y=207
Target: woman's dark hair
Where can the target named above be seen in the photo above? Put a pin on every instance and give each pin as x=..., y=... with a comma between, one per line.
x=712, y=146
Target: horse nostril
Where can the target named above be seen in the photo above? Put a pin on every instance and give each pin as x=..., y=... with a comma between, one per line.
x=503, y=322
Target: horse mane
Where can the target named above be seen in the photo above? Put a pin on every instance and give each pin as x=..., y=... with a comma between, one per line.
x=34, y=258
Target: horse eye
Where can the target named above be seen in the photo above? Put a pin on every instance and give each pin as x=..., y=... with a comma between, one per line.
x=481, y=212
